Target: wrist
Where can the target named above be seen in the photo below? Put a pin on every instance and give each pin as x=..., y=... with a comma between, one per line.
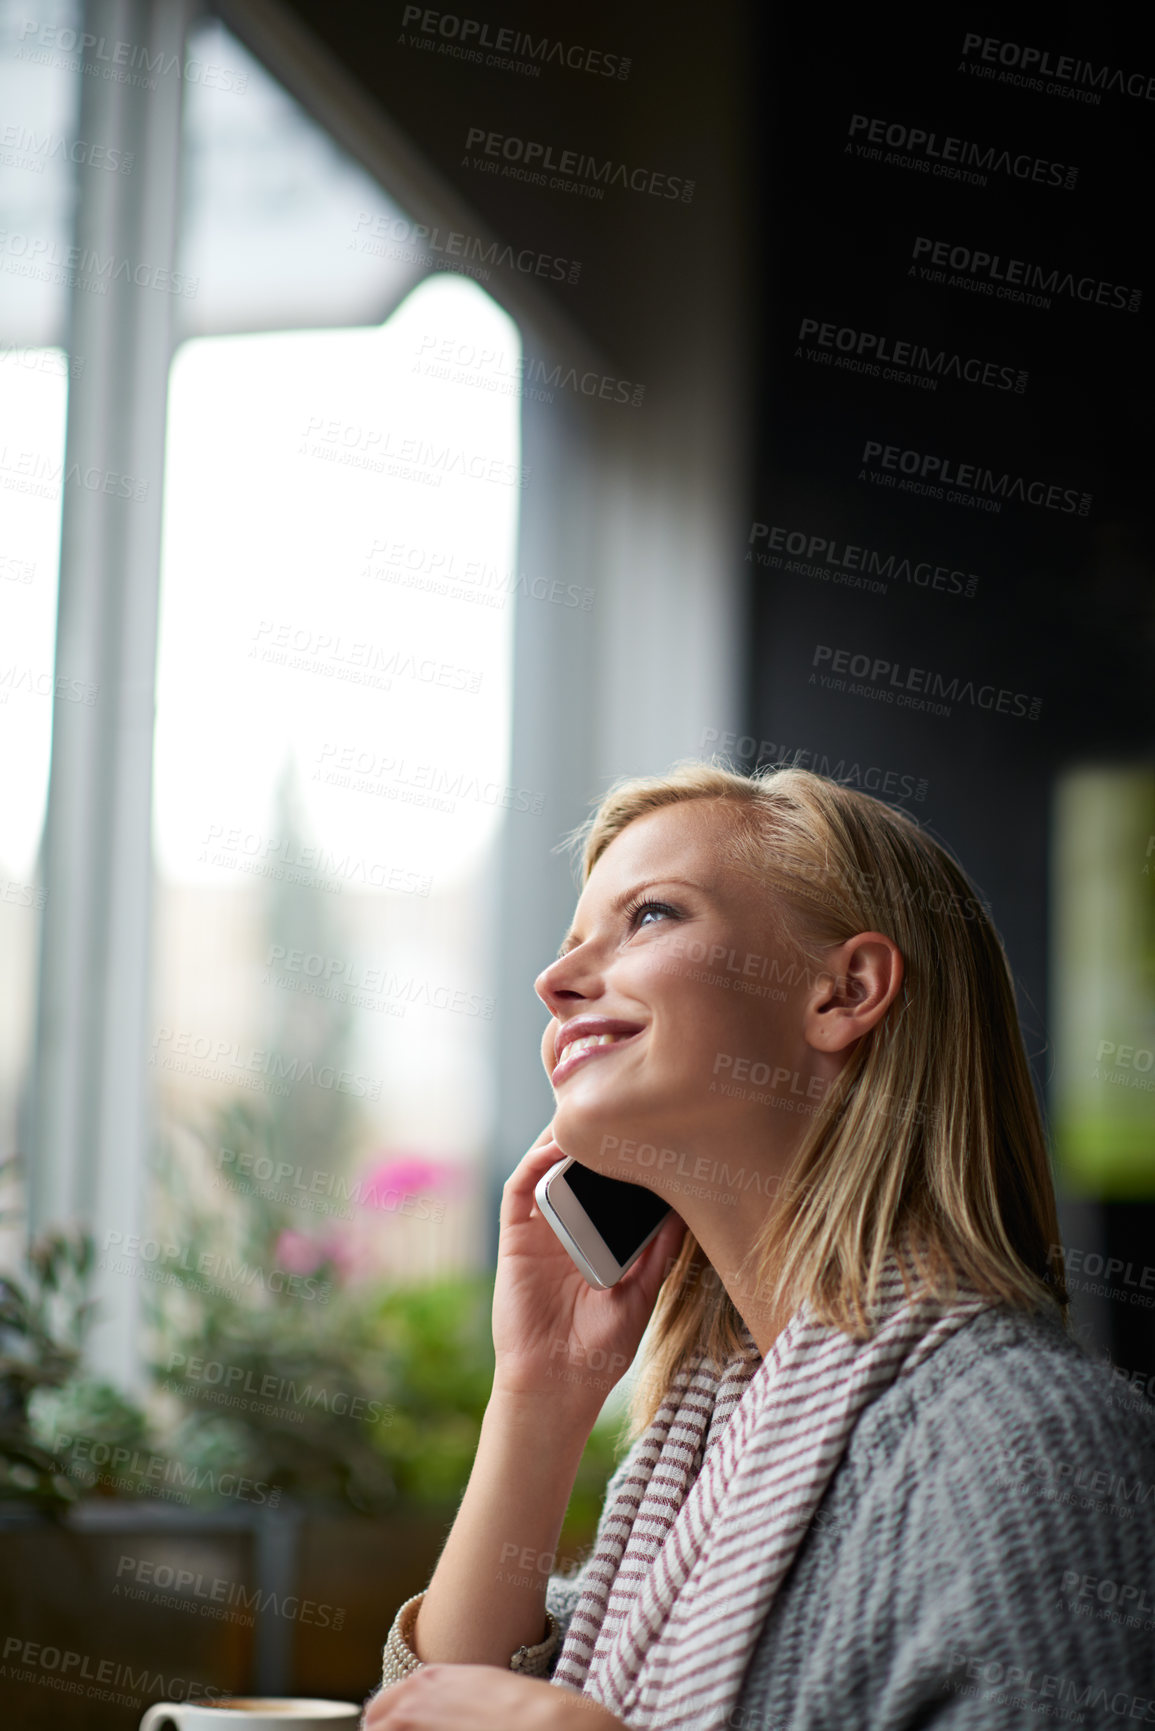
x=548, y=1416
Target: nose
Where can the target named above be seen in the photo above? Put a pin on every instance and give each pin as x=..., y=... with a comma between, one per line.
x=570, y=977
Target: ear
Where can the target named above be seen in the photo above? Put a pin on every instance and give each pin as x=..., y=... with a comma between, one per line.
x=862, y=979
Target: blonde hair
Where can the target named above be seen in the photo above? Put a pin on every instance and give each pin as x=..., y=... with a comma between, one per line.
x=930, y=1139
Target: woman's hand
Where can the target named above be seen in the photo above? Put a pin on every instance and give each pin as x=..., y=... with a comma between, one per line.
x=552, y=1331
x=561, y=1346
x=482, y=1698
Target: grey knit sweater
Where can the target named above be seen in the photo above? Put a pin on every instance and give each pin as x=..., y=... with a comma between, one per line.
x=983, y=1558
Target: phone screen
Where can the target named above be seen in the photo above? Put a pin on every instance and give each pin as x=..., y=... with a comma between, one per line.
x=623, y=1213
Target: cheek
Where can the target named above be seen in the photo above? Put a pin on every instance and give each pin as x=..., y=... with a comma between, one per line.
x=696, y=1023
x=703, y=1021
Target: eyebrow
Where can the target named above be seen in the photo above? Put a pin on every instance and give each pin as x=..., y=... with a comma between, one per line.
x=571, y=940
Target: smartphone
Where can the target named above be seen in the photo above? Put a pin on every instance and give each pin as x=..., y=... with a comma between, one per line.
x=604, y=1223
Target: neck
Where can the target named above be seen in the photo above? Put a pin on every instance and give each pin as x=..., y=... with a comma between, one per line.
x=730, y=1247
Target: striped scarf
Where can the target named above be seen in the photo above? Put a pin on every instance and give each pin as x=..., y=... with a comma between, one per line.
x=724, y=1484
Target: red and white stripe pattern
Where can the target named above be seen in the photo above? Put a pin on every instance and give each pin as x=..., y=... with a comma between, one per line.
x=725, y=1482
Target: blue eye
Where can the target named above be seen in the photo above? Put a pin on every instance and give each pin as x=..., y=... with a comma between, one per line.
x=641, y=909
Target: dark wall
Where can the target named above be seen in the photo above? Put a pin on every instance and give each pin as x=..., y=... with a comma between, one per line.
x=867, y=232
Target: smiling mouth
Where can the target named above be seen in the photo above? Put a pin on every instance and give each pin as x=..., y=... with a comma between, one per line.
x=575, y=1050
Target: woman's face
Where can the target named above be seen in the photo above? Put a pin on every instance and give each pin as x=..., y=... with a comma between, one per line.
x=677, y=968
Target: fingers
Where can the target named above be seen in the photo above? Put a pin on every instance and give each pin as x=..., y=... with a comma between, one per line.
x=373, y=1718
x=653, y=1264
x=517, y=1192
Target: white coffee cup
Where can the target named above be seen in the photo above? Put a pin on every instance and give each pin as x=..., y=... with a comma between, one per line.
x=253, y=1712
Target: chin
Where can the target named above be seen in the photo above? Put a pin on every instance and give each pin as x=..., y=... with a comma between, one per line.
x=580, y=1129
x=592, y=1131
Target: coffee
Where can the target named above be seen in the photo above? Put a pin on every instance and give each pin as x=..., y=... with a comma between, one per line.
x=262, y=1713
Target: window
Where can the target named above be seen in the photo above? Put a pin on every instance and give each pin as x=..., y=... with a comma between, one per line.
x=333, y=693
x=1104, y=981
x=38, y=98
x=329, y=775
x=332, y=751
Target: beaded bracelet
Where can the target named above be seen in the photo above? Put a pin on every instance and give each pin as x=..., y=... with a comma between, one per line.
x=399, y=1659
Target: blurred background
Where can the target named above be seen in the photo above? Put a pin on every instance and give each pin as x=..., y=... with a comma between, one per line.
x=408, y=423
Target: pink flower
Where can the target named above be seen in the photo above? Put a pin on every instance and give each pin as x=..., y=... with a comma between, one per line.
x=405, y=1175
x=298, y=1253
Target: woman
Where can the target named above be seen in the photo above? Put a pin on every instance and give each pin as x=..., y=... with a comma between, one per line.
x=873, y=1480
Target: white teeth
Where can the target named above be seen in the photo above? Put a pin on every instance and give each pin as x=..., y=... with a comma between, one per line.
x=588, y=1042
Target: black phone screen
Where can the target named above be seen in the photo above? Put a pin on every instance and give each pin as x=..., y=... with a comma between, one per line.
x=623, y=1213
